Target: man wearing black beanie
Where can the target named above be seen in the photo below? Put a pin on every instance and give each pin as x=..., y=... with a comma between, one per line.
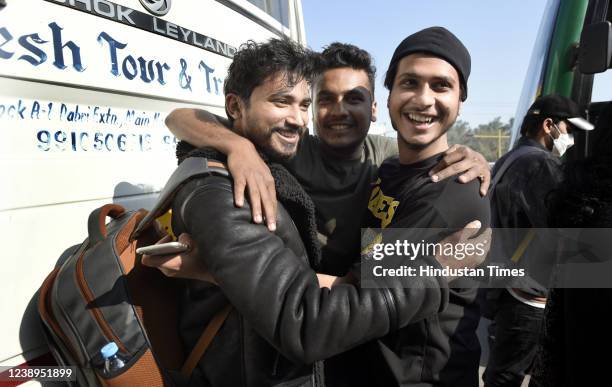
x=427, y=80
x=439, y=42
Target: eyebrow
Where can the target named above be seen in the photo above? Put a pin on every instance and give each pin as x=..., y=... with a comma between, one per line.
x=324, y=93
x=436, y=77
x=285, y=93
x=356, y=90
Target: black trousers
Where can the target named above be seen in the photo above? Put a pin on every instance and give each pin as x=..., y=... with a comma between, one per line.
x=513, y=338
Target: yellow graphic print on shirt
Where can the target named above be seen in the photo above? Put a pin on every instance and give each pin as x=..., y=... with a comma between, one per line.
x=381, y=206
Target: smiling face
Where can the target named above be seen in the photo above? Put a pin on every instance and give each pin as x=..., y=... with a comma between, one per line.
x=424, y=103
x=344, y=109
x=275, y=117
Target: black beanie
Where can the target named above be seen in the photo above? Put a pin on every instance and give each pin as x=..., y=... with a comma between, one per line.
x=437, y=41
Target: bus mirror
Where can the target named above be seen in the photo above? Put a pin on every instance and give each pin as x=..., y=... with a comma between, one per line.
x=595, y=48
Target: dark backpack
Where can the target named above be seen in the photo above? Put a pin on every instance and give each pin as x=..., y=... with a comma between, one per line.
x=99, y=292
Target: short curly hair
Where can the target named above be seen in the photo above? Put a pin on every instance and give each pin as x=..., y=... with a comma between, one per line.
x=256, y=62
x=338, y=55
x=531, y=125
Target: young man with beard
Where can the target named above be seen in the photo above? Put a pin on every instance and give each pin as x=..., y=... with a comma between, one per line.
x=427, y=81
x=336, y=167
x=282, y=322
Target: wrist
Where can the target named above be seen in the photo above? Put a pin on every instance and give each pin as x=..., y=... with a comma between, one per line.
x=238, y=145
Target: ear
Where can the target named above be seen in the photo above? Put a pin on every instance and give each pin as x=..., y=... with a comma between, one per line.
x=374, y=111
x=234, y=106
x=460, y=107
x=547, y=125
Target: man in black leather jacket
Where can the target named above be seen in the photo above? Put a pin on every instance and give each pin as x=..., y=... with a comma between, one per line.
x=282, y=323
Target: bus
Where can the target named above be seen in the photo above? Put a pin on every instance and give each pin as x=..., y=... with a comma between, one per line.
x=571, y=57
x=85, y=86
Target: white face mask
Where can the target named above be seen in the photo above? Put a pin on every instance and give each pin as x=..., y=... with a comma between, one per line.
x=562, y=143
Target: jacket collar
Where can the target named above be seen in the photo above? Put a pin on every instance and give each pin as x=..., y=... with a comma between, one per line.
x=289, y=192
x=527, y=141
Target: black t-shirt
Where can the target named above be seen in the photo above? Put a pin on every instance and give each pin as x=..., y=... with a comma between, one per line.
x=339, y=189
x=442, y=350
x=404, y=196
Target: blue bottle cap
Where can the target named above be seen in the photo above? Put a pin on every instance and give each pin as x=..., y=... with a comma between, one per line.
x=109, y=350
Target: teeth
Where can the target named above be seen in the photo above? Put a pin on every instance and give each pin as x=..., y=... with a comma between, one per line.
x=420, y=118
x=287, y=133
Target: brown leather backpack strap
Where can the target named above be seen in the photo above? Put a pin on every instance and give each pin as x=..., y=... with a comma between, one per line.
x=204, y=341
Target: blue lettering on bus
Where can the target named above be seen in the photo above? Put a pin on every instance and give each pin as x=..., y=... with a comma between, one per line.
x=40, y=54
x=83, y=141
x=6, y=35
x=58, y=49
x=149, y=70
x=14, y=111
x=67, y=55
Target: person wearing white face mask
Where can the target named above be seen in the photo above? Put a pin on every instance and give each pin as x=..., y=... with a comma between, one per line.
x=562, y=143
x=522, y=179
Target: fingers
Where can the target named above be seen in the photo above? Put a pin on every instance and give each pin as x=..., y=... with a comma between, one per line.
x=165, y=239
x=484, y=238
x=268, y=201
x=483, y=241
x=254, y=199
x=252, y=175
x=186, y=239
x=471, y=235
x=239, y=186
x=473, y=224
x=166, y=263
x=470, y=230
x=170, y=262
x=464, y=234
x=485, y=183
x=461, y=159
x=463, y=237
x=479, y=169
x=450, y=157
x=262, y=197
x=456, y=168
x=271, y=216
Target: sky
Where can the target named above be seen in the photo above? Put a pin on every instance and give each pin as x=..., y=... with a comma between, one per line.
x=499, y=35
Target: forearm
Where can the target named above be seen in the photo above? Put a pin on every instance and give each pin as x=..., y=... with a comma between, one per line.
x=203, y=129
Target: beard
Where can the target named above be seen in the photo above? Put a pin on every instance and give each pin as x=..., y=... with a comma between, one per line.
x=278, y=151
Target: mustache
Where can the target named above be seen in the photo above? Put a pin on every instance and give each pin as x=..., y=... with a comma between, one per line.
x=345, y=122
x=289, y=128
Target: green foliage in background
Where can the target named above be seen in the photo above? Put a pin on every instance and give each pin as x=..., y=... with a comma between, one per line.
x=484, y=138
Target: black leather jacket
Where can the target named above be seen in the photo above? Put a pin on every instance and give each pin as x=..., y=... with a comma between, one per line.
x=282, y=322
